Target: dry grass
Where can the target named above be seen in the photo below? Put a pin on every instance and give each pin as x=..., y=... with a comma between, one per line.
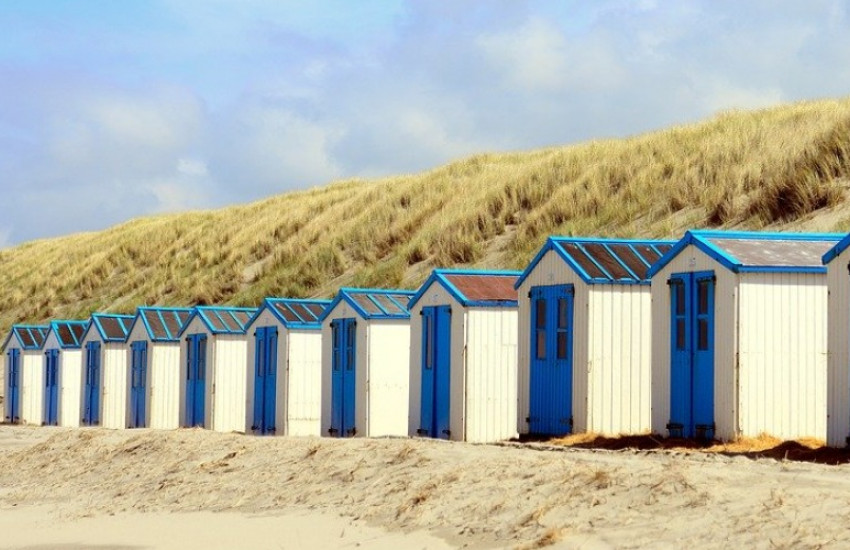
x=780, y=167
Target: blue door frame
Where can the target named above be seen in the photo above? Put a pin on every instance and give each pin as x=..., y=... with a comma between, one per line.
x=343, y=377
x=13, y=377
x=692, y=354
x=138, y=385
x=196, y=374
x=551, y=360
x=91, y=390
x=435, y=408
x=51, y=387
x=265, y=380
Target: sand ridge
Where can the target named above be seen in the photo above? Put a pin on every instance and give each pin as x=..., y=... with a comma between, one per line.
x=475, y=495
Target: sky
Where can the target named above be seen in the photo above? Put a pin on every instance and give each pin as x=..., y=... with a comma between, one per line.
x=114, y=110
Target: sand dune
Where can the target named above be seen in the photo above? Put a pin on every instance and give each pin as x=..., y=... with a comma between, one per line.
x=436, y=494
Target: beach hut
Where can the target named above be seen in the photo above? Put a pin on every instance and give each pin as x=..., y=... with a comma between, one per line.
x=24, y=374
x=285, y=349
x=153, y=345
x=740, y=336
x=214, y=368
x=585, y=336
x=104, y=375
x=837, y=262
x=463, y=356
x=366, y=363
x=63, y=373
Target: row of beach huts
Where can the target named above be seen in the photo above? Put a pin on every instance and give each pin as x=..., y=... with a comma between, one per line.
x=718, y=335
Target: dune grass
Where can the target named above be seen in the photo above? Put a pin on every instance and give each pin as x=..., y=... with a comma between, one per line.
x=786, y=167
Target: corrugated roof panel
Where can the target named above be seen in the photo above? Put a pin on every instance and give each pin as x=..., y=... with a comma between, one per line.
x=78, y=329
x=214, y=321
x=316, y=309
x=242, y=319
x=485, y=288
x=174, y=321
x=283, y=309
x=157, y=327
x=754, y=252
x=26, y=337
x=607, y=261
x=113, y=328
x=629, y=256
x=304, y=314
x=388, y=304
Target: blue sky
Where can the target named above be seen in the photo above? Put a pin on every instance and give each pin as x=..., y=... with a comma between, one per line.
x=114, y=110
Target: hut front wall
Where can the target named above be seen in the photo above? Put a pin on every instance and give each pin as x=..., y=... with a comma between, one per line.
x=782, y=351
x=620, y=355
x=438, y=296
x=838, y=362
x=344, y=311
x=384, y=383
x=491, y=374
x=692, y=259
x=196, y=326
x=230, y=376
x=552, y=270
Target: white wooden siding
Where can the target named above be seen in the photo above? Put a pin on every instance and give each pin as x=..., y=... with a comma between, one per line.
x=491, y=374
x=783, y=355
x=229, y=376
x=115, y=379
x=619, y=364
x=71, y=388
x=302, y=398
x=164, y=385
x=725, y=342
x=32, y=384
x=387, y=377
x=551, y=270
x=838, y=372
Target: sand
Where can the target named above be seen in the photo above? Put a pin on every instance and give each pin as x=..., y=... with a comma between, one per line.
x=69, y=489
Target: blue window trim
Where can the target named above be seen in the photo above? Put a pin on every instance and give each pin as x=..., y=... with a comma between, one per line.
x=555, y=243
x=439, y=276
x=700, y=239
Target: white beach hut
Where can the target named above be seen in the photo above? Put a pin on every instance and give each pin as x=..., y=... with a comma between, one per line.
x=153, y=345
x=214, y=368
x=837, y=261
x=366, y=363
x=104, y=377
x=740, y=336
x=585, y=337
x=285, y=349
x=463, y=356
x=24, y=374
x=63, y=373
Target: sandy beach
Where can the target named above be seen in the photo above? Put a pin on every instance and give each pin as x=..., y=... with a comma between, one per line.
x=96, y=488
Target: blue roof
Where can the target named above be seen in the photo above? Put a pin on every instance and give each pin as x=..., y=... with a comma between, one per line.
x=293, y=312
x=163, y=324
x=29, y=337
x=604, y=261
x=69, y=334
x=474, y=288
x=373, y=303
x=222, y=319
x=111, y=327
x=755, y=252
x=836, y=250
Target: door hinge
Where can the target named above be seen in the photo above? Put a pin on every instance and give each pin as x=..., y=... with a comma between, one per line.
x=421, y=431
x=332, y=431
x=448, y=432
x=352, y=431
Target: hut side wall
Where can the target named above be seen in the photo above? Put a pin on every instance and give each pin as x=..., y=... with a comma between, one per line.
x=838, y=361
x=782, y=352
x=725, y=342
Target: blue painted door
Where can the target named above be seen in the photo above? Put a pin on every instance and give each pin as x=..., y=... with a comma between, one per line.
x=551, y=368
x=91, y=390
x=265, y=380
x=343, y=377
x=13, y=394
x=138, y=385
x=692, y=355
x=196, y=374
x=51, y=387
x=435, y=409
